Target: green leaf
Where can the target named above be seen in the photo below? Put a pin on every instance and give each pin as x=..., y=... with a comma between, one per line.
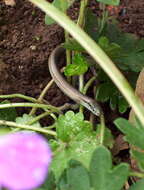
x=60, y=161
x=140, y=45
x=4, y=130
x=73, y=45
x=139, y=157
x=91, y=25
x=76, y=141
x=107, y=91
x=134, y=134
x=113, y=50
x=132, y=49
x=79, y=66
x=139, y=185
x=49, y=20
x=127, y=41
x=103, y=175
x=70, y=124
x=108, y=138
x=80, y=148
x=54, y=144
x=122, y=104
x=61, y=5
x=113, y=102
x=74, y=69
x=62, y=181
x=110, y=2
x=77, y=176
x=27, y=118
x=134, y=61
x=8, y=114
x=49, y=183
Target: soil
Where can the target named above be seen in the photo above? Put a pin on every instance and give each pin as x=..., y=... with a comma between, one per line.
x=26, y=43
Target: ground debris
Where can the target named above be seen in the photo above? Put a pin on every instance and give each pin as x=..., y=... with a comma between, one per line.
x=10, y=2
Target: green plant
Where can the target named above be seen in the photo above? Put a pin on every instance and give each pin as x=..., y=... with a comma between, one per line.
x=81, y=156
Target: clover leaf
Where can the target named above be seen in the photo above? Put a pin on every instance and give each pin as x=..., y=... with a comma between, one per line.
x=75, y=177
x=103, y=175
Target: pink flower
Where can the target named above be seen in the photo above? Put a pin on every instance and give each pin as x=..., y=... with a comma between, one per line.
x=24, y=160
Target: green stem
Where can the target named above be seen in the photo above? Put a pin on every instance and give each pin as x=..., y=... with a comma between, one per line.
x=102, y=6
x=81, y=17
x=19, y=96
x=136, y=174
x=97, y=53
x=68, y=53
x=28, y=127
x=85, y=89
x=88, y=84
x=38, y=118
x=102, y=131
x=92, y=116
x=23, y=104
x=80, y=22
x=103, y=21
x=81, y=86
x=32, y=112
x=81, y=83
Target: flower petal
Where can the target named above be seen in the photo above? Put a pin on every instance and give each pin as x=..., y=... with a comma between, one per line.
x=24, y=160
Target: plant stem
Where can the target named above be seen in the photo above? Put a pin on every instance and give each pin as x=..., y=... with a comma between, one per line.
x=19, y=96
x=68, y=53
x=97, y=53
x=68, y=106
x=80, y=22
x=102, y=22
x=65, y=106
x=28, y=127
x=85, y=89
x=32, y=112
x=38, y=118
x=102, y=6
x=88, y=84
x=81, y=85
x=92, y=116
x=102, y=130
x=81, y=17
x=23, y=104
x=137, y=174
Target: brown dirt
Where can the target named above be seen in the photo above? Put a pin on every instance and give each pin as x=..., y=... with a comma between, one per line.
x=133, y=20
x=26, y=43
